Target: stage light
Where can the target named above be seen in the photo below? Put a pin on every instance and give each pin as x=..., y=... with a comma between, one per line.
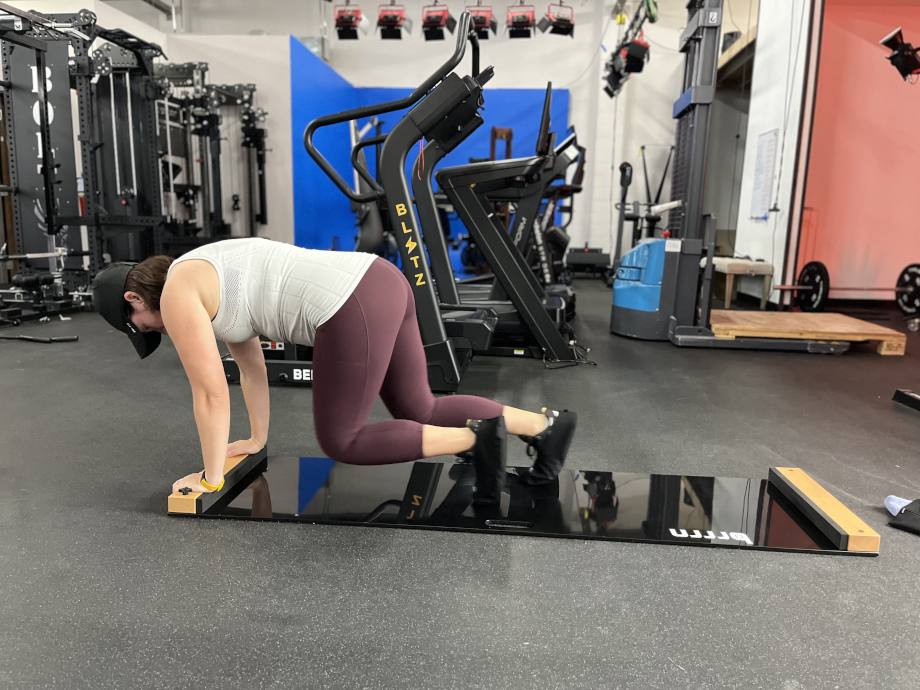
x=392, y=20
x=635, y=55
x=632, y=52
x=436, y=18
x=483, y=18
x=521, y=20
x=559, y=19
x=348, y=19
x=903, y=55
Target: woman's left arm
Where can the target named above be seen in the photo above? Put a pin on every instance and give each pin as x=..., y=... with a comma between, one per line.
x=189, y=327
x=250, y=360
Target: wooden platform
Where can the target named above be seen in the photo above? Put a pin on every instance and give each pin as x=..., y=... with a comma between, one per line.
x=806, y=326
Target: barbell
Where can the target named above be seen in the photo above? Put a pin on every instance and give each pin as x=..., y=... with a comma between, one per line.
x=811, y=290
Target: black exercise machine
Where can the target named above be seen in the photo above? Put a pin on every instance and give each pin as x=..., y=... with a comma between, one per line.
x=514, y=335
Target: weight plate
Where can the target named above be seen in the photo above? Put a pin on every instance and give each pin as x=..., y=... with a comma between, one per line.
x=814, y=277
x=908, y=295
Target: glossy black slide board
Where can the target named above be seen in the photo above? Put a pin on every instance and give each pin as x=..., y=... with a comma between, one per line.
x=719, y=512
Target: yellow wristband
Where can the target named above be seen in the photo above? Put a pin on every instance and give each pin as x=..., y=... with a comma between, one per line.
x=211, y=487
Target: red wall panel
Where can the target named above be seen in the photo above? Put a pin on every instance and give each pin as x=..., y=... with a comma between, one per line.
x=861, y=200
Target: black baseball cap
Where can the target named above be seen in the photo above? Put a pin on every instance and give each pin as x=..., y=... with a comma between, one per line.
x=109, y=300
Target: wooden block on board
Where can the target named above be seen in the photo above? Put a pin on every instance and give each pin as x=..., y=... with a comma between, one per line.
x=844, y=528
x=236, y=468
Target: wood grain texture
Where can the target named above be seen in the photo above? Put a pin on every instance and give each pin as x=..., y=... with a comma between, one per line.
x=806, y=326
x=841, y=525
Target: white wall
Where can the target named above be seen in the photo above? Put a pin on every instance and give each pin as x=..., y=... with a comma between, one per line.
x=642, y=116
x=776, y=99
x=231, y=17
x=265, y=62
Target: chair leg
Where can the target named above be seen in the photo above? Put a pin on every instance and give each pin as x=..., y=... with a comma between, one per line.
x=729, y=289
x=767, y=289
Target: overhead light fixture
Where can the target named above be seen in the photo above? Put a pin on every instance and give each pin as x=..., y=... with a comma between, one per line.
x=903, y=54
x=392, y=20
x=483, y=20
x=348, y=19
x=632, y=52
x=629, y=59
x=521, y=20
x=559, y=19
x=435, y=19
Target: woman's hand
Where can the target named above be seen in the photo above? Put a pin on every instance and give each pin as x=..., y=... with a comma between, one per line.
x=247, y=446
x=191, y=481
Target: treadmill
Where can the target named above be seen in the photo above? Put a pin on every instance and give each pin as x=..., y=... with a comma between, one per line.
x=532, y=231
x=530, y=322
x=437, y=109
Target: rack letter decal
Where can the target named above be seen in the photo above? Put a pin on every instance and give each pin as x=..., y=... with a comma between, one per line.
x=411, y=245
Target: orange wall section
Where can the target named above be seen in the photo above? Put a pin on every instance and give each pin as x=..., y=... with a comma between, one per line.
x=861, y=200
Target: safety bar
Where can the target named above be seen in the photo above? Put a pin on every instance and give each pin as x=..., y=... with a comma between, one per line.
x=462, y=36
x=357, y=164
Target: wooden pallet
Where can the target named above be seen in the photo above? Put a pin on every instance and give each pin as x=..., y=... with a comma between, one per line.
x=806, y=326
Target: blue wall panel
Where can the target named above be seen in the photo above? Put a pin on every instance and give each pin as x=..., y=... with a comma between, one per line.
x=322, y=214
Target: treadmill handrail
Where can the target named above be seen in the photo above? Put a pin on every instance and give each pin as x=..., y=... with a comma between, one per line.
x=462, y=36
x=356, y=151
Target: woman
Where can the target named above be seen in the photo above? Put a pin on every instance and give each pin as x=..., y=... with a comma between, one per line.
x=358, y=313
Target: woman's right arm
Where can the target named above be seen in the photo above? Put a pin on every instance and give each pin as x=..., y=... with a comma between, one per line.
x=189, y=327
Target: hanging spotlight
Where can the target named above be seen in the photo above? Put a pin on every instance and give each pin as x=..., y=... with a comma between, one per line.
x=348, y=19
x=483, y=19
x=631, y=54
x=635, y=54
x=392, y=20
x=436, y=18
x=559, y=19
x=903, y=56
x=521, y=20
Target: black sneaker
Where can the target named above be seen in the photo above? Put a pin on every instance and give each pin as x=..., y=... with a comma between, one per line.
x=489, y=458
x=550, y=446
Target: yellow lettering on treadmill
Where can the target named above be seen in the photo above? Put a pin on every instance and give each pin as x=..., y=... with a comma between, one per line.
x=410, y=515
x=406, y=228
x=420, y=279
x=401, y=210
x=411, y=246
x=416, y=500
x=414, y=260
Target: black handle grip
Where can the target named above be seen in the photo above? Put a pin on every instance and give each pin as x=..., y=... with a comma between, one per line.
x=626, y=171
x=463, y=34
x=361, y=167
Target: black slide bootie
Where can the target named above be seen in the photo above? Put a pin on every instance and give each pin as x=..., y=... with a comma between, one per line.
x=550, y=446
x=489, y=458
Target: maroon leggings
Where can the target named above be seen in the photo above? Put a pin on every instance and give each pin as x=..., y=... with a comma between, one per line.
x=372, y=346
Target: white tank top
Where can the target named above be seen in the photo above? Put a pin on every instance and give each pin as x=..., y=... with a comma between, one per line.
x=277, y=290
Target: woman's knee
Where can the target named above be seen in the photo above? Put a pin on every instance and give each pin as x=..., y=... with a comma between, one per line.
x=337, y=445
x=417, y=409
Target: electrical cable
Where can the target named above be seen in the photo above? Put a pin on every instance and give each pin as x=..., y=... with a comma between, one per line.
x=613, y=157
x=593, y=53
x=789, y=92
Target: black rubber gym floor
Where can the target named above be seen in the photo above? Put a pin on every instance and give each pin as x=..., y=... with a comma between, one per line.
x=98, y=588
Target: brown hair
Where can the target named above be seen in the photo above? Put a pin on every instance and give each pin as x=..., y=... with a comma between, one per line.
x=147, y=279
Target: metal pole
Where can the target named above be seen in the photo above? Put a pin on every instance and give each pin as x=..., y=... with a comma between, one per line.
x=131, y=133
x=118, y=188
